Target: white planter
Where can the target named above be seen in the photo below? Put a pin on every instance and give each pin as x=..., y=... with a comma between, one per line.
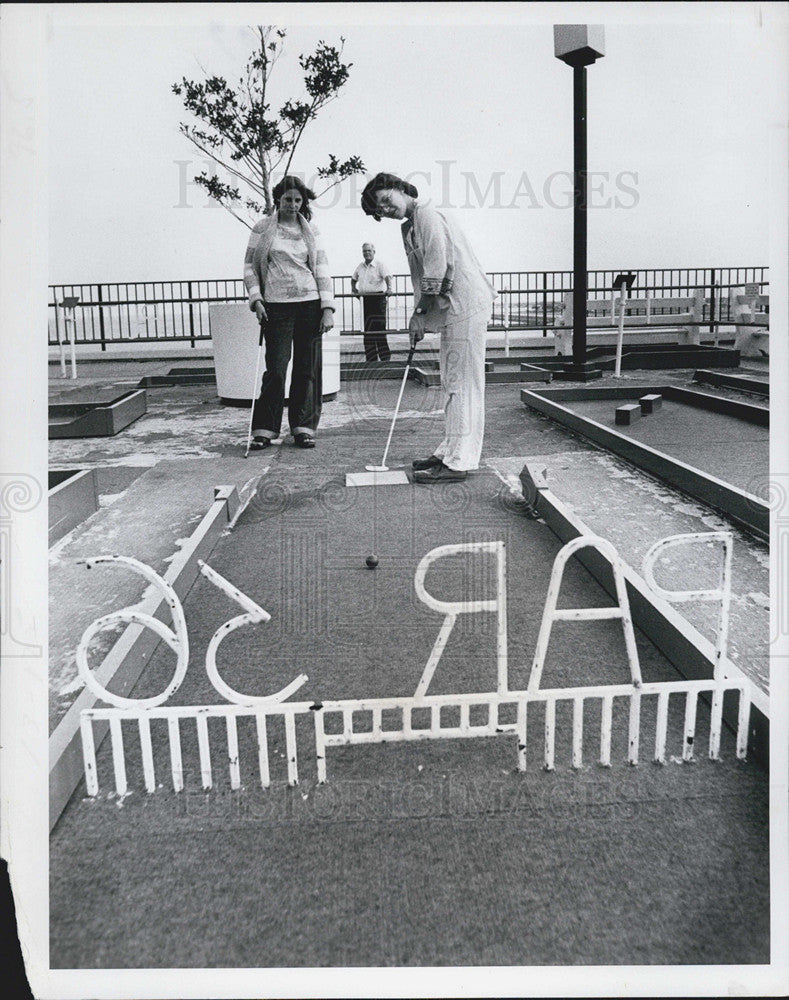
x=235, y=334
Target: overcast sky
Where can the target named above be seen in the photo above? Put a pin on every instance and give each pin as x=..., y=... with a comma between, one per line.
x=480, y=115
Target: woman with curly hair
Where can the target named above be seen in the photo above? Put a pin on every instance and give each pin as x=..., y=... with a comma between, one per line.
x=453, y=297
x=286, y=274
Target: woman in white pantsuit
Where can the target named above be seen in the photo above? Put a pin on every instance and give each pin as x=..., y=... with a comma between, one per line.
x=453, y=297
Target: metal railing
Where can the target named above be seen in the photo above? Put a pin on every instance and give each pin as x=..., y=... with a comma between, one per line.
x=166, y=311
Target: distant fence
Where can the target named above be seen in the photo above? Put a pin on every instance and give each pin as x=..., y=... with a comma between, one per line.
x=163, y=311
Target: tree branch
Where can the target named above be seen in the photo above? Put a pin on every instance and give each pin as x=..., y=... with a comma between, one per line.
x=216, y=159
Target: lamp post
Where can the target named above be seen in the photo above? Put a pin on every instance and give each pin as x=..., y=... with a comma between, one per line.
x=579, y=45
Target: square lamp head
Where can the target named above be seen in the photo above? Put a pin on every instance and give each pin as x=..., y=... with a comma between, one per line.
x=578, y=44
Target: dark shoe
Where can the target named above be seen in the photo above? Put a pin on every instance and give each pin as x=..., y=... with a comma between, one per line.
x=304, y=441
x=259, y=442
x=426, y=463
x=439, y=474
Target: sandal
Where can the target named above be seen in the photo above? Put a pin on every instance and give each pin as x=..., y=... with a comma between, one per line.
x=259, y=442
x=304, y=441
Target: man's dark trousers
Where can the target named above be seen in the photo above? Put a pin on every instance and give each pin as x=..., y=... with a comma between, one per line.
x=375, y=346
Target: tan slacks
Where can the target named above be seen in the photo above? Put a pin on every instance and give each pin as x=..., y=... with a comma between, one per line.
x=462, y=359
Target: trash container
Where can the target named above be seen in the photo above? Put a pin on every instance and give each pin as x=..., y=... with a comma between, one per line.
x=235, y=334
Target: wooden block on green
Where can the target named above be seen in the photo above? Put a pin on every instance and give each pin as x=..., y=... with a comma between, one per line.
x=651, y=402
x=627, y=413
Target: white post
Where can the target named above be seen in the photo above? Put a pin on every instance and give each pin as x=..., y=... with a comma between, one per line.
x=68, y=303
x=70, y=324
x=70, y=319
x=621, y=333
x=507, y=321
x=62, y=355
x=61, y=348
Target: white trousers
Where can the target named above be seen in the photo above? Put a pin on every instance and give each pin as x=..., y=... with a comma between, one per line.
x=462, y=359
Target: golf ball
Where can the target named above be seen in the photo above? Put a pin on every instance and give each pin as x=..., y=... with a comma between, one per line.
x=372, y=562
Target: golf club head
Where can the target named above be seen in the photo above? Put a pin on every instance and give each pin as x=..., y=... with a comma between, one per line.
x=377, y=468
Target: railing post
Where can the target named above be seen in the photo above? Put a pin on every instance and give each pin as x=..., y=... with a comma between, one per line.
x=545, y=303
x=55, y=304
x=101, y=319
x=191, y=315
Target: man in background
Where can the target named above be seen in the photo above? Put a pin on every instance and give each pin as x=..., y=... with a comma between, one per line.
x=372, y=282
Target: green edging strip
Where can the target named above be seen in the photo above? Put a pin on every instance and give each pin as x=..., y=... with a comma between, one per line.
x=425, y=377
x=750, y=412
x=73, y=496
x=97, y=419
x=753, y=413
x=157, y=381
x=636, y=357
x=427, y=371
x=127, y=659
x=746, y=509
x=691, y=654
x=759, y=387
x=524, y=374
x=371, y=371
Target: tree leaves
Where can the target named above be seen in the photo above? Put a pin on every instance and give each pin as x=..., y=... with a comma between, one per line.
x=353, y=165
x=324, y=73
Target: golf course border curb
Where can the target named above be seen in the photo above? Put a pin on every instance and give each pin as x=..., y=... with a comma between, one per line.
x=97, y=419
x=129, y=656
x=743, y=383
x=684, y=647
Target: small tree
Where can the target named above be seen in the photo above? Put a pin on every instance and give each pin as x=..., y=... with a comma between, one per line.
x=239, y=131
